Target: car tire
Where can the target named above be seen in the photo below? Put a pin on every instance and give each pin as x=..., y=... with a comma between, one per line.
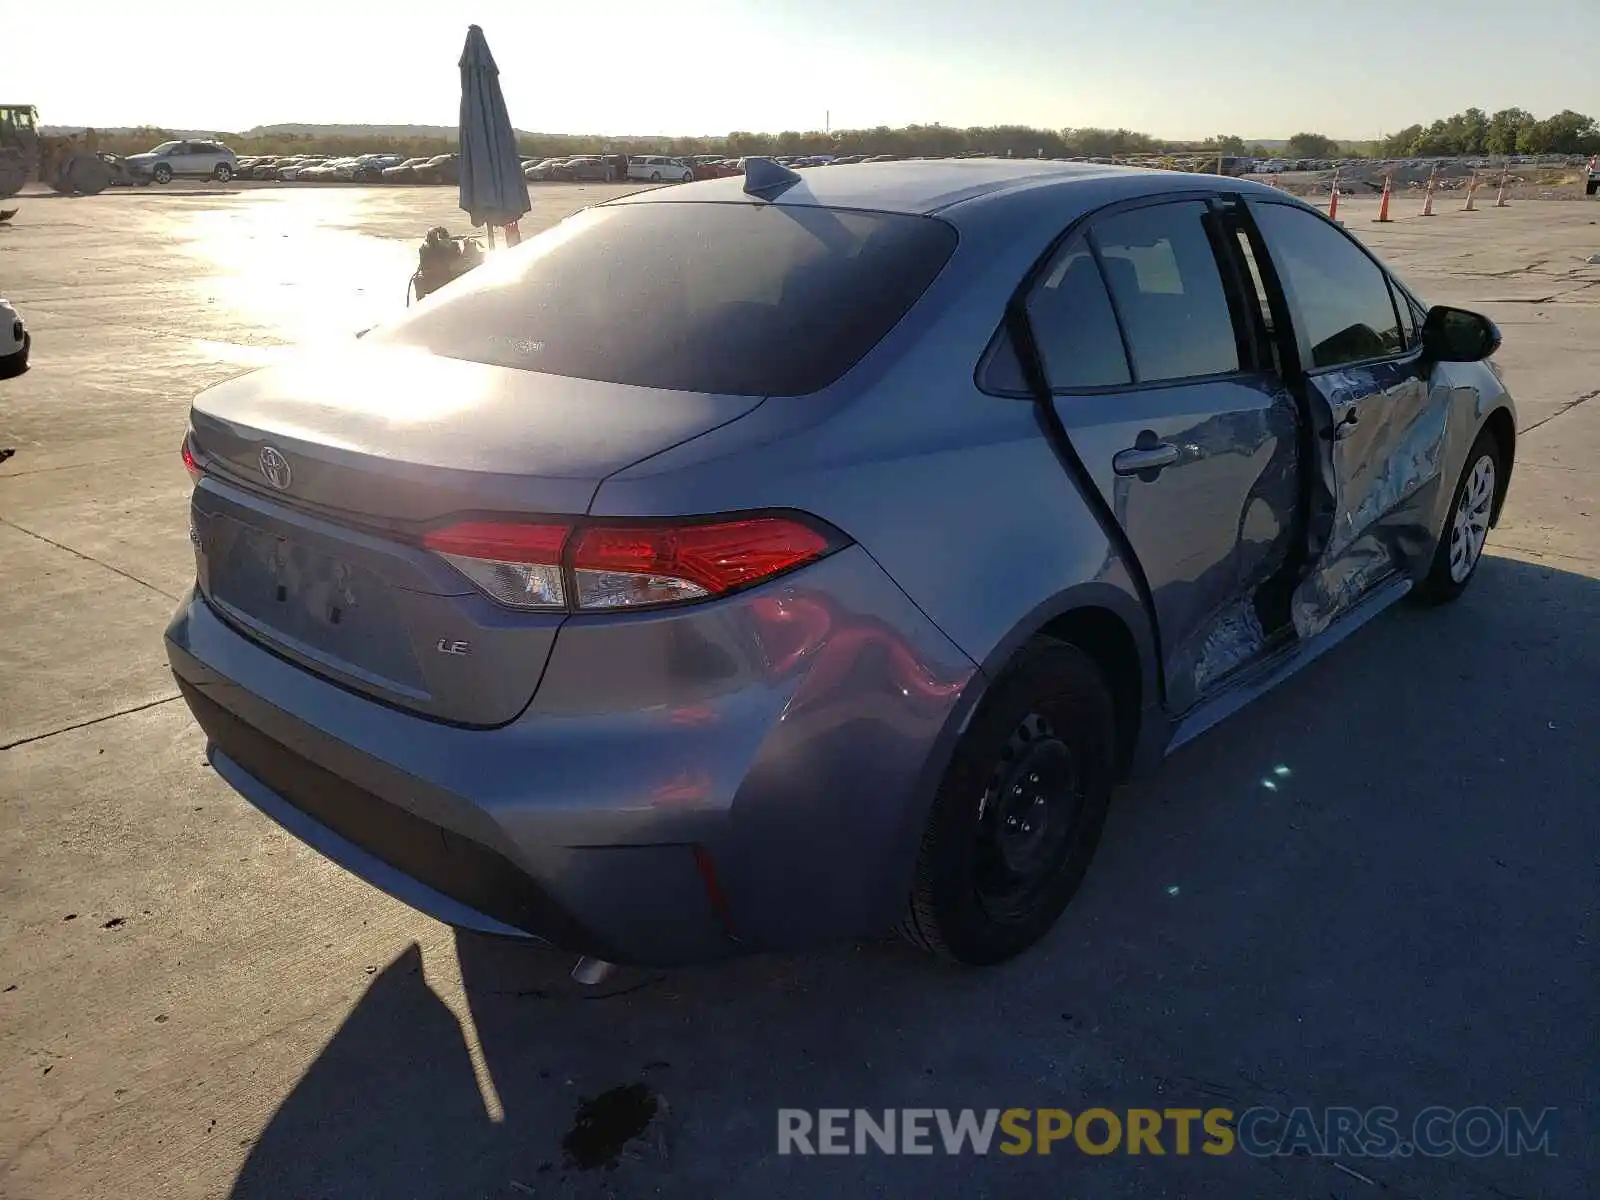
x=686, y=177
x=223, y=173
x=15, y=364
x=1466, y=527
x=655, y=176
x=1019, y=811
x=161, y=173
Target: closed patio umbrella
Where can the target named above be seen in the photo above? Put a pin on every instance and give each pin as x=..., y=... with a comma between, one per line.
x=493, y=191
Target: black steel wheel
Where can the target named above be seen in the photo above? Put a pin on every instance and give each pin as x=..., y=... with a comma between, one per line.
x=1019, y=811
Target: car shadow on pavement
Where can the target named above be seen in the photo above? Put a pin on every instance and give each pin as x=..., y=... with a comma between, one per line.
x=1367, y=891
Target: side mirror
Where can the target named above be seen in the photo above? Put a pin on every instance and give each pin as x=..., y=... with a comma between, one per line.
x=1456, y=335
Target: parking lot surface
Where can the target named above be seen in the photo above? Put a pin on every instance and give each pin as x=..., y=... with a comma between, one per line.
x=1376, y=888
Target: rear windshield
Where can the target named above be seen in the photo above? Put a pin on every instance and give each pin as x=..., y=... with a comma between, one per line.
x=745, y=299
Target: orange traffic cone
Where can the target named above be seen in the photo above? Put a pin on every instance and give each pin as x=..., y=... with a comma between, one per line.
x=1333, y=200
x=1427, y=200
x=1472, y=192
x=1500, y=200
x=1383, y=206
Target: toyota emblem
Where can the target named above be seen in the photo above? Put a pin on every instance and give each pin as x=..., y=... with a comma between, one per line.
x=275, y=468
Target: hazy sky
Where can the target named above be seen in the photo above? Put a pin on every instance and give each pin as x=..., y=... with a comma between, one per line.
x=1177, y=68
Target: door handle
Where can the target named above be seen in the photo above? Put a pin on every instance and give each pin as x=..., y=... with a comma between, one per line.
x=1137, y=460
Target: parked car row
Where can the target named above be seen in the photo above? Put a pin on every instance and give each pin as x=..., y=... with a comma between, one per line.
x=213, y=160
x=358, y=168
x=666, y=168
x=614, y=168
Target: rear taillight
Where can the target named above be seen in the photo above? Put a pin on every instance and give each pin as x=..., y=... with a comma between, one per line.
x=620, y=567
x=189, y=463
x=552, y=567
x=518, y=565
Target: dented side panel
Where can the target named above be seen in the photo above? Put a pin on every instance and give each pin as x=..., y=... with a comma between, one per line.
x=1210, y=527
x=1386, y=451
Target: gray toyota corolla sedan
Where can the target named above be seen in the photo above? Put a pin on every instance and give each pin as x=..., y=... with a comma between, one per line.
x=783, y=558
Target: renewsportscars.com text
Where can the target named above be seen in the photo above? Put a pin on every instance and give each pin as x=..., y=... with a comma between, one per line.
x=1435, y=1132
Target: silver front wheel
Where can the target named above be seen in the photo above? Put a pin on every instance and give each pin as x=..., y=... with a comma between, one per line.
x=1469, y=527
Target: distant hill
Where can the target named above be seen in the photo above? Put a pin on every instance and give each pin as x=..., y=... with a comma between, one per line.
x=125, y=130
x=387, y=131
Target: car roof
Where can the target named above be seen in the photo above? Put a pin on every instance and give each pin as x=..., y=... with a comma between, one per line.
x=934, y=185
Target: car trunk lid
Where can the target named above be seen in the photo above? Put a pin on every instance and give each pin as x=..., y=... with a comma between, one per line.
x=323, y=473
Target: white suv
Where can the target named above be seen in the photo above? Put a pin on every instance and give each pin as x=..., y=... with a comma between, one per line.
x=200, y=160
x=656, y=167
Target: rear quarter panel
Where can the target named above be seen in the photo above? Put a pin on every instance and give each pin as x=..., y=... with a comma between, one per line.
x=958, y=495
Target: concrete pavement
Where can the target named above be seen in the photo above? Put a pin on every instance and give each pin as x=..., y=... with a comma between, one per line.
x=192, y=1004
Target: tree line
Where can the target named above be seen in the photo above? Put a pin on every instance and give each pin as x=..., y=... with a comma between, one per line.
x=1510, y=131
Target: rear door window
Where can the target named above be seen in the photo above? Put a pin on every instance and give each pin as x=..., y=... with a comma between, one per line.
x=1340, y=298
x=744, y=299
x=1073, y=326
x=1168, y=292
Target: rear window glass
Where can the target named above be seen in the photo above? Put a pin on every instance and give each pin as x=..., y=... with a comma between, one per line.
x=747, y=299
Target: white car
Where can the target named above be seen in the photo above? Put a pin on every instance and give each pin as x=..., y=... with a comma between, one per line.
x=292, y=172
x=14, y=342
x=657, y=168
x=199, y=160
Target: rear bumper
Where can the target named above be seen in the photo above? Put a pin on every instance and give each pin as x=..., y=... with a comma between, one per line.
x=746, y=775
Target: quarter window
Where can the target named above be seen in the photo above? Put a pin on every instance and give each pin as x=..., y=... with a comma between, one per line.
x=1339, y=296
x=1163, y=276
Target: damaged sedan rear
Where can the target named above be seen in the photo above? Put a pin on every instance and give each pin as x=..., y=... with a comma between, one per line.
x=780, y=558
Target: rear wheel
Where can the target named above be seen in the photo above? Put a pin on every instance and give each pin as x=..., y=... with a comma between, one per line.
x=162, y=173
x=655, y=176
x=223, y=173
x=1467, y=527
x=1019, y=811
